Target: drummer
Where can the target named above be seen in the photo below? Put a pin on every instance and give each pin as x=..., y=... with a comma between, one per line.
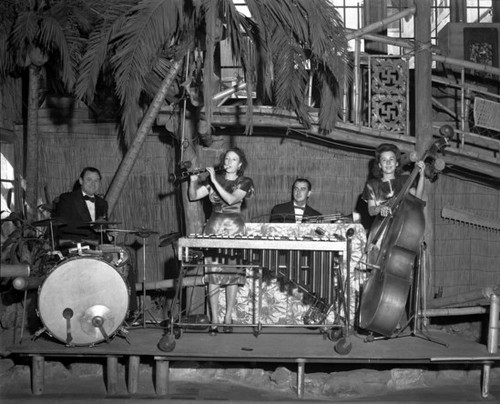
x=80, y=207
x=77, y=209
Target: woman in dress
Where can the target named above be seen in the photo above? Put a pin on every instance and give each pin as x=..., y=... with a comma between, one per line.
x=388, y=180
x=226, y=192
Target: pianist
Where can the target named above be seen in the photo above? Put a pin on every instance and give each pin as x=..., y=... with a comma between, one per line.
x=297, y=210
x=226, y=192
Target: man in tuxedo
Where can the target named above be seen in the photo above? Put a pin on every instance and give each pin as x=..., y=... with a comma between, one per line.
x=81, y=206
x=297, y=210
x=76, y=210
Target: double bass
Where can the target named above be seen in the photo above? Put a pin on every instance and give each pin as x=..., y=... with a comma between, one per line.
x=393, y=245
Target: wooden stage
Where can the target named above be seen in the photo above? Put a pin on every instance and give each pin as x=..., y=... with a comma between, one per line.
x=272, y=345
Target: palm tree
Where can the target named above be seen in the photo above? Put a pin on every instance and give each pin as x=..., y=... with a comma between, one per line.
x=34, y=33
x=282, y=43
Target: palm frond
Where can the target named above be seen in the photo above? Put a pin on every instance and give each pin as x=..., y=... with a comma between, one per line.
x=327, y=37
x=52, y=37
x=7, y=64
x=151, y=25
x=300, y=33
x=98, y=50
x=24, y=32
x=291, y=80
x=329, y=90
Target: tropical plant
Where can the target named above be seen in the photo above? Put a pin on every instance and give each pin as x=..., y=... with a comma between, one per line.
x=25, y=244
x=32, y=34
x=278, y=47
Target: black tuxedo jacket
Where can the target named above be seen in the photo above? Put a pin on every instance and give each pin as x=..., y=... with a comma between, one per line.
x=285, y=213
x=72, y=209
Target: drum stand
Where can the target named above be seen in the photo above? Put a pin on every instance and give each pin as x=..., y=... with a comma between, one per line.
x=415, y=307
x=144, y=234
x=52, y=251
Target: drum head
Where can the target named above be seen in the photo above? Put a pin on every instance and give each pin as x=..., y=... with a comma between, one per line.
x=82, y=301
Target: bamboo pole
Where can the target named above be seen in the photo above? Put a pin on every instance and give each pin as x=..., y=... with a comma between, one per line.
x=454, y=311
x=12, y=270
x=172, y=283
x=229, y=91
x=376, y=26
x=467, y=65
x=435, y=57
x=475, y=295
x=357, y=83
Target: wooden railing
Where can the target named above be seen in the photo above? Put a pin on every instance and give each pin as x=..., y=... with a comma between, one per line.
x=461, y=87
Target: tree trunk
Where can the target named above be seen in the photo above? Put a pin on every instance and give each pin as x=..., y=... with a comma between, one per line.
x=128, y=161
x=194, y=217
x=193, y=210
x=32, y=141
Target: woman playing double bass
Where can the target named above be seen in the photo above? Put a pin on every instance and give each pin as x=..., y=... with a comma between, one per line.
x=388, y=180
x=396, y=236
x=393, y=240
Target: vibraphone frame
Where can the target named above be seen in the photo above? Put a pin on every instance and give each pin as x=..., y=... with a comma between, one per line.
x=258, y=252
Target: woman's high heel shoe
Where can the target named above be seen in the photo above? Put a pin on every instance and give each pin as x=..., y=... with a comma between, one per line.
x=213, y=330
x=228, y=329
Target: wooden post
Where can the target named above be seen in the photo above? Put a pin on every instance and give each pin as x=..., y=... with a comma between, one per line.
x=37, y=374
x=300, y=377
x=112, y=374
x=374, y=11
x=133, y=373
x=492, y=342
x=423, y=116
x=162, y=382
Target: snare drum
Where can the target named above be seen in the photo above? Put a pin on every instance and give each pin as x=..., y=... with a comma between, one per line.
x=83, y=301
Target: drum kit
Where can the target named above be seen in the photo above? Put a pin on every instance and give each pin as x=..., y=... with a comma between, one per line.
x=75, y=305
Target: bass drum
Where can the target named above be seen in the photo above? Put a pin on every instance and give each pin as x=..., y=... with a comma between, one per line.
x=83, y=301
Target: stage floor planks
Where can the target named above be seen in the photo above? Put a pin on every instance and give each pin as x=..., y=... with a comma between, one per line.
x=270, y=345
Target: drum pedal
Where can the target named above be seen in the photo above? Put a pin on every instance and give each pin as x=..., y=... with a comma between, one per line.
x=123, y=332
x=39, y=332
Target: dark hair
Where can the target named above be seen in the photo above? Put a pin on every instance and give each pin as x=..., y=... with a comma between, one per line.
x=241, y=155
x=302, y=180
x=90, y=170
x=386, y=147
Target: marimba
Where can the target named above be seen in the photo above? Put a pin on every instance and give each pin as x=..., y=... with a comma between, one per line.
x=315, y=257
x=309, y=261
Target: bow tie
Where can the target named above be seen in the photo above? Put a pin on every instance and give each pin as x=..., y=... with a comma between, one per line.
x=89, y=198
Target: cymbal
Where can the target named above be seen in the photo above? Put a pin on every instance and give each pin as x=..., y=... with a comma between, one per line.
x=144, y=232
x=103, y=223
x=121, y=230
x=56, y=221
